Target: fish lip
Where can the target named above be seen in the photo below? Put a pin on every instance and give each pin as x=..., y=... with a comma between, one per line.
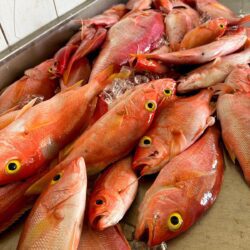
x=139, y=167
x=97, y=222
x=146, y=235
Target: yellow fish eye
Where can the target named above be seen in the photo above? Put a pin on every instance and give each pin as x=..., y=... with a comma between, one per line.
x=174, y=222
x=222, y=26
x=13, y=167
x=151, y=106
x=167, y=92
x=145, y=141
x=56, y=178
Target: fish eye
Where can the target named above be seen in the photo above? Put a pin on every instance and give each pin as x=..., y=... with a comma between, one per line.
x=99, y=202
x=167, y=92
x=222, y=26
x=13, y=167
x=151, y=106
x=145, y=141
x=56, y=178
x=174, y=222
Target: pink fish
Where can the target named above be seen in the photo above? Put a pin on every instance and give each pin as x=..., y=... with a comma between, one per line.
x=176, y=127
x=212, y=73
x=233, y=112
x=184, y=189
x=223, y=46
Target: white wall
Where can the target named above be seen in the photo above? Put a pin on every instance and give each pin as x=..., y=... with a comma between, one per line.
x=19, y=18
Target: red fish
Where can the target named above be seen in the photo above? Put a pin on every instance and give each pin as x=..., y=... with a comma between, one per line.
x=56, y=219
x=233, y=113
x=109, y=239
x=35, y=138
x=214, y=9
x=112, y=195
x=223, y=46
x=178, y=22
x=237, y=81
x=13, y=202
x=146, y=28
x=177, y=126
x=212, y=73
x=108, y=18
x=184, y=189
x=204, y=34
x=139, y=4
x=37, y=82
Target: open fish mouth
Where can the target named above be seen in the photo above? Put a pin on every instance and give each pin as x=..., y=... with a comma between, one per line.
x=139, y=168
x=145, y=234
x=99, y=222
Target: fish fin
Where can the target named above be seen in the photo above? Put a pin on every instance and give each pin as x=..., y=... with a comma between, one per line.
x=64, y=88
x=245, y=19
x=178, y=139
x=222, y=88
x=26, y=107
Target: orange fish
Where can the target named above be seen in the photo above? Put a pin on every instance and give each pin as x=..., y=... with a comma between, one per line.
x=233, y=112
x=184, y=189
x=212, y=73
x=111, y=238
x=56, y=219
x=35, y=138
x=113, y=193
x=177, y=126
x=205, y=53
x=204, y=34
x=37, y=82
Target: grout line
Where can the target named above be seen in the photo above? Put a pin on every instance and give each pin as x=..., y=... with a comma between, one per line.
x=55, y=8
x=4, y=35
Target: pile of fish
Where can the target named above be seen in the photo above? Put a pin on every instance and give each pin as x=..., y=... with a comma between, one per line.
x=144, y=88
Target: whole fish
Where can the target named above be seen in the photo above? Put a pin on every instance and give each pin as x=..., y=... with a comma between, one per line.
x=214, y=9
x=56, y=219
x=202, y=54
x=204, y=34
x=212, y=73
x=37, y=82
x=233, y=113
x=111, y=238
x=176, y=127
x=35, y=138
x=113, y=193
x=146, y=28
x=108, y=18
x=184, y=189
x=13, y=201
x=139, y=4
x=178, y=22
x=237, y=81
x=115, y=134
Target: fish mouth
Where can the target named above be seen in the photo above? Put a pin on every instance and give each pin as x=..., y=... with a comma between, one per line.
x=140, y=167
x=145, y=234
x=98, y=222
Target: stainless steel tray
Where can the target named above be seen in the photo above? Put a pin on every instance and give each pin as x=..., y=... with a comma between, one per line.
x=225, y=226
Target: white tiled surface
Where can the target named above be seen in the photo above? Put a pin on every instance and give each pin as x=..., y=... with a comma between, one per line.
x=20, y=18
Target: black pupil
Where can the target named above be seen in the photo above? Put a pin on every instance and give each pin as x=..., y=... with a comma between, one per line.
x=222, y=26
x=150, y=105
x=167, y=91
x=12, y=166
x=99, y=202
x=57, y=177
x=174, y=220
x=147, y=141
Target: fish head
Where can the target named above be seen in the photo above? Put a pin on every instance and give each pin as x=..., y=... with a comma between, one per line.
x=149, y=155
x=162, y=216
x=106, y=208
x=64, y=184
x=218, y=25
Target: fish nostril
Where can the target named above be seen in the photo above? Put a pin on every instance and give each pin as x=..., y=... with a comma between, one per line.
x=155, y=153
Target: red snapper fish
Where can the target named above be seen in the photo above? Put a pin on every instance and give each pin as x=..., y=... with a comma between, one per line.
x=233, y=113
x=37, y=82
x=176, y=127
x=178, y=22
x=56, y=219
x=35, y=138
x=212, y=73
x=146, y=28
x=214, y=9
x=111, y=238
x=205, y=53
x=184, y=189
x=112, y=195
